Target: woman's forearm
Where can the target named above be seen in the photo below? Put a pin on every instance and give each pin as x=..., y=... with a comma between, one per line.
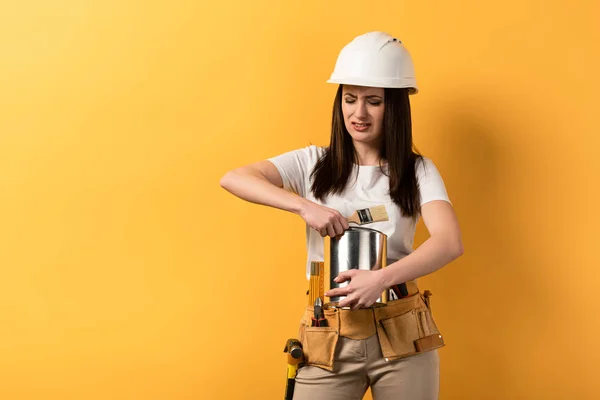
x=251, y=185
x=433, y=254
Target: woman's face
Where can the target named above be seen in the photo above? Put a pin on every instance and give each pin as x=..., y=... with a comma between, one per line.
x=363, y=112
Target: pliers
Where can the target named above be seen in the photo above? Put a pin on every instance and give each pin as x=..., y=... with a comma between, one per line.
x=319, y=316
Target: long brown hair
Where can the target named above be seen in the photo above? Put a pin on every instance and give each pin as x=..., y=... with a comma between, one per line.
x=332, y=171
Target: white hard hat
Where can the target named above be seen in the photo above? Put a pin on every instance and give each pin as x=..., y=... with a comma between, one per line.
x=375, y=59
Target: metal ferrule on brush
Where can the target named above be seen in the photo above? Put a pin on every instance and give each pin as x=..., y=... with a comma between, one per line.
x=364, y=216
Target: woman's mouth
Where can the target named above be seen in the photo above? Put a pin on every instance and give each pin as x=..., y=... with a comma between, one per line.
x=360, y=127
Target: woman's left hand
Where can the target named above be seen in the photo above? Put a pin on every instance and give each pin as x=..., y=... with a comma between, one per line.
x=364, y=289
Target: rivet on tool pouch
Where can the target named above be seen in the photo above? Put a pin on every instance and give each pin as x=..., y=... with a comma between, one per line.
x=358, y=248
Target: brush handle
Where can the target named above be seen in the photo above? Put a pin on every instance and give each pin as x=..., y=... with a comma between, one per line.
x=354, y=218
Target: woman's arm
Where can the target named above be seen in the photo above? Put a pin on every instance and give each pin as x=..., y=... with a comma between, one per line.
x=261, y=183
x=443, y=246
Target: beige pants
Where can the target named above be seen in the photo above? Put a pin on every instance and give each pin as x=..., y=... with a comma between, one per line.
x=360, y=364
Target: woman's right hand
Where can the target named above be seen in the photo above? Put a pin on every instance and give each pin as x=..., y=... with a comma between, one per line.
x=324, y=220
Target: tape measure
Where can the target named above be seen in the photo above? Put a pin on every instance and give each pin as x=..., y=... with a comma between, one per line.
x=317, y=282
x=321, y=286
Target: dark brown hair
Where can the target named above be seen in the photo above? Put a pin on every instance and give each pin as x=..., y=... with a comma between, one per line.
x=332, y=171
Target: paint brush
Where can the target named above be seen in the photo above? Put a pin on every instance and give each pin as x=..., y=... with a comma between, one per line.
x=369, y=215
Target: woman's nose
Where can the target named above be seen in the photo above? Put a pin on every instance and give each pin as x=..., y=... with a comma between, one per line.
x=361, y=110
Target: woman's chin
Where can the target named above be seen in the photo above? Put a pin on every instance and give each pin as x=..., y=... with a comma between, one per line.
x=363, y=137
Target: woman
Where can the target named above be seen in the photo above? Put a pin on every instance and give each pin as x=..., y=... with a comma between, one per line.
x=370, y=161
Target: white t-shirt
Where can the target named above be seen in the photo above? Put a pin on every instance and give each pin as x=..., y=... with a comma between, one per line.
x=370, y=188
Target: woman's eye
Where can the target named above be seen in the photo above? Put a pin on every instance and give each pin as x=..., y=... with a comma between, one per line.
x=372, y=102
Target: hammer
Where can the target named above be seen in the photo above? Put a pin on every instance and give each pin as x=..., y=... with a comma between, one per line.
x=295, y=356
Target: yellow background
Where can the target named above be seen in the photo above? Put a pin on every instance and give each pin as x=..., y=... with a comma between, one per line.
x=126, y=272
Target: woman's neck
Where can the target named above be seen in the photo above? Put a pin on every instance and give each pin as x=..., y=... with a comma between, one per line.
x=367, y=154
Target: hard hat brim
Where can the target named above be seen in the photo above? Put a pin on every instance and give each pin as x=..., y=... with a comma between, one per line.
x=388, y=83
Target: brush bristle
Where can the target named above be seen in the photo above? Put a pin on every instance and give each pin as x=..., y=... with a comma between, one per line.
x=379, y=213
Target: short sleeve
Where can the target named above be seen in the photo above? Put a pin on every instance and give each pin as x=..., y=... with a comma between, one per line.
x=431, y=184
x=293, y=167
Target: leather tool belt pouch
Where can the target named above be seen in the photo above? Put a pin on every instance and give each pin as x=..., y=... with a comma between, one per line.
x=318, y=343
x=405, y=327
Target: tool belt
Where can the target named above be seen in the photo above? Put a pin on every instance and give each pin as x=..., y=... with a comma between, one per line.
x=405, y=327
